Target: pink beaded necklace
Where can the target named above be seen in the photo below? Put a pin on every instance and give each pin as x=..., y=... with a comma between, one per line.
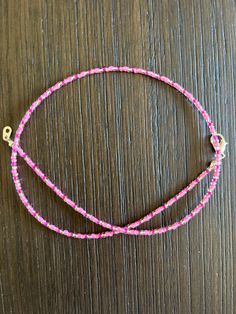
x=217, y=141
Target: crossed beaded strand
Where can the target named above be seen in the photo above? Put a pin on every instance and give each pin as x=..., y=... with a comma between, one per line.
x=131, y=228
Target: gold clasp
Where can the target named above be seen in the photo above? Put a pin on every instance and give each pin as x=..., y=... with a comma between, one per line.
x=223, y=144
x=6, y=135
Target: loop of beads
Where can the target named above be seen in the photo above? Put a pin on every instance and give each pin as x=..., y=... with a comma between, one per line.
x=112, y=229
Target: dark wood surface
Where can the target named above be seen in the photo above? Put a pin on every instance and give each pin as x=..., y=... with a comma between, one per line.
x=119, y=145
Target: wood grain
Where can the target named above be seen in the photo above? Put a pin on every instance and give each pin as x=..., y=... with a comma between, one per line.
x=119, y=145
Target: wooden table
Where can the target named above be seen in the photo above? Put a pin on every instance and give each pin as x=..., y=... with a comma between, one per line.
x=119, y=145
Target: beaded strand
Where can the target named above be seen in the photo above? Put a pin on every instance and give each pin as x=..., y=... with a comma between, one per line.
x=130, y=229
